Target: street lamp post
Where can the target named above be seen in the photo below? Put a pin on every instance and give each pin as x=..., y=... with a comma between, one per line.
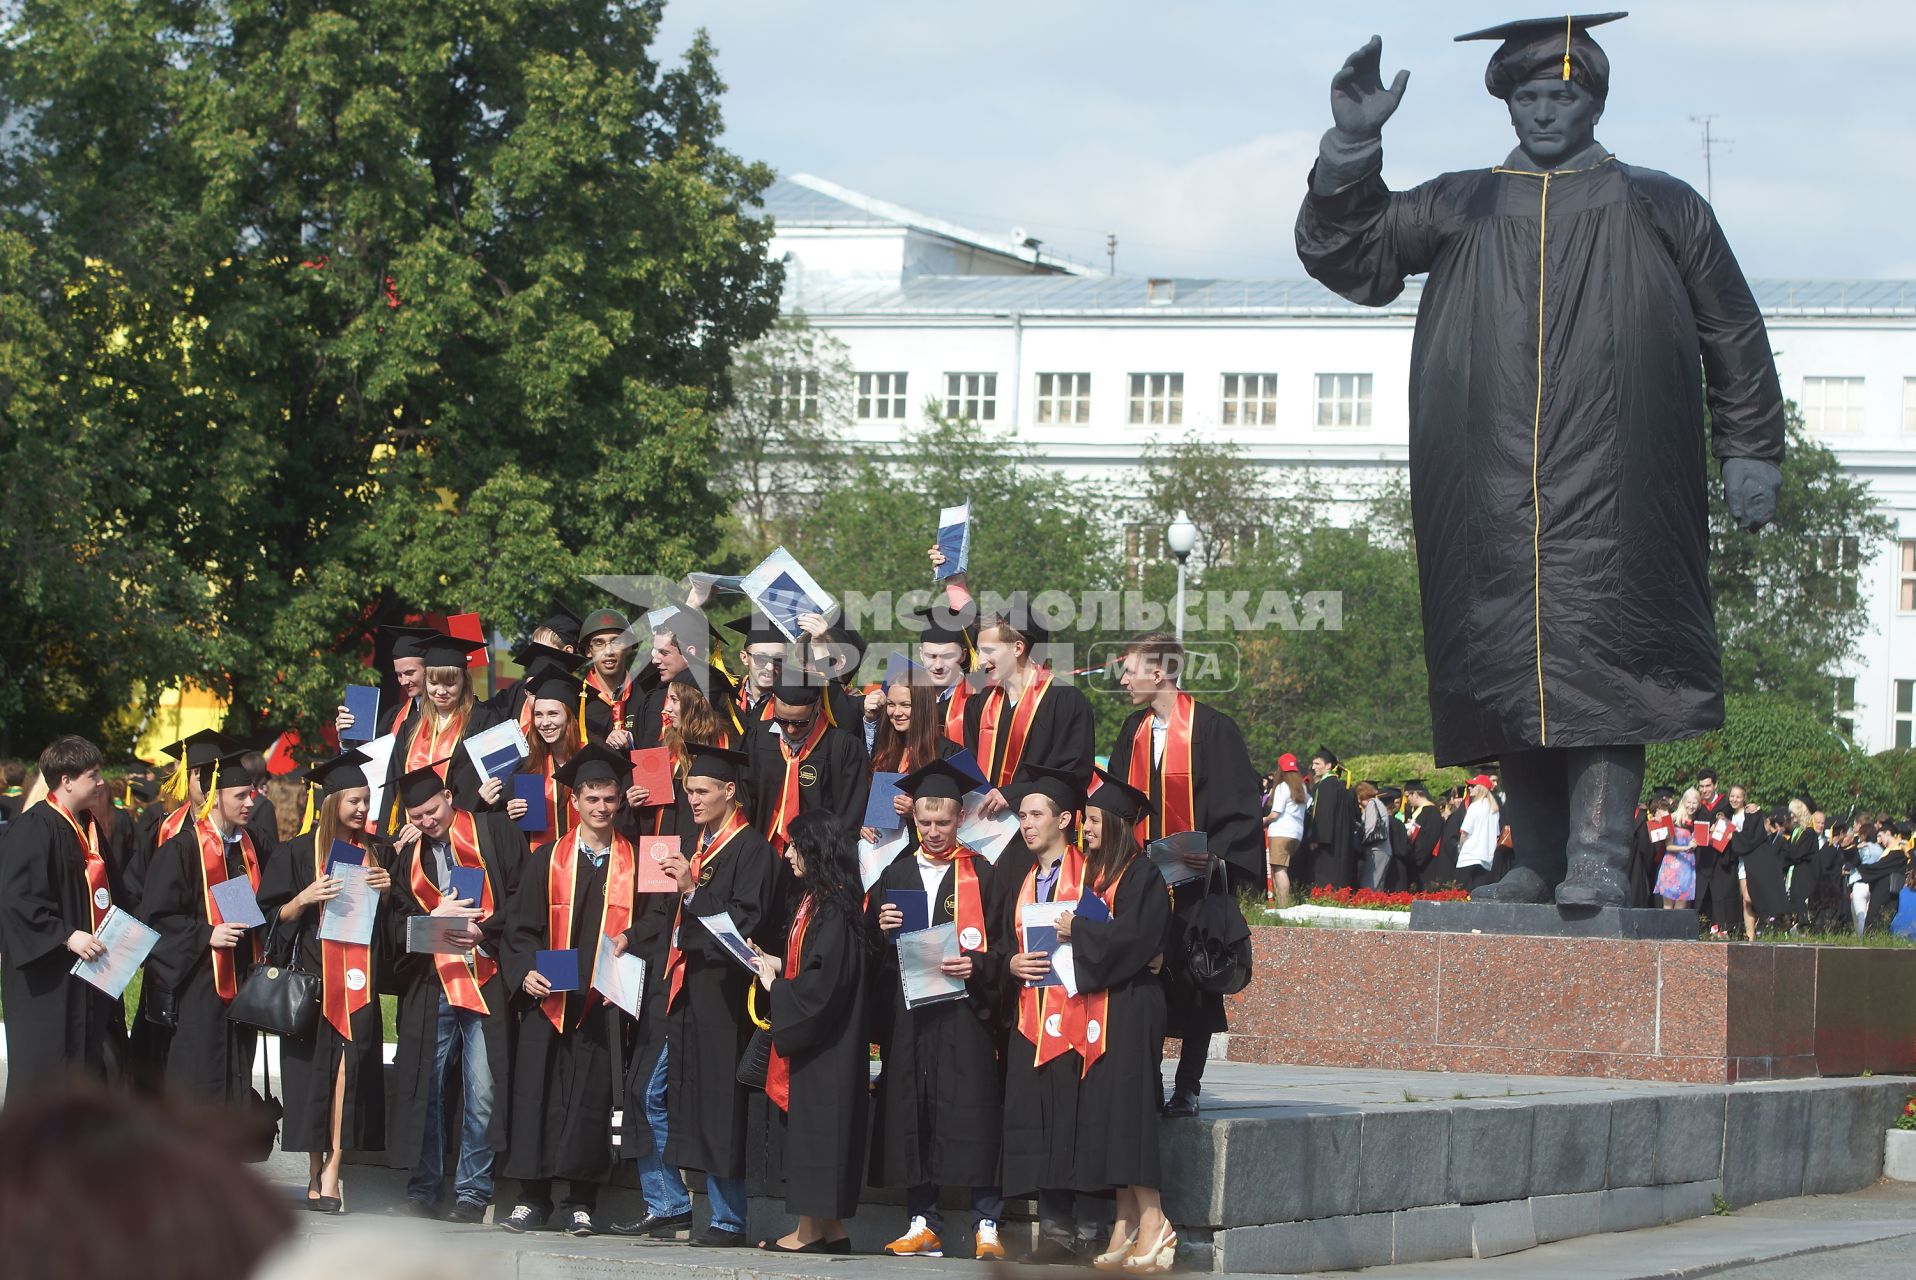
x=1180, y=538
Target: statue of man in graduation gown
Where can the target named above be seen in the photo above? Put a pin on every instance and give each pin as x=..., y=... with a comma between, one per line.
x=1558, y=456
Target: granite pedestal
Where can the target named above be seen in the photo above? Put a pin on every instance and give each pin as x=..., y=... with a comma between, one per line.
x=1550, y=921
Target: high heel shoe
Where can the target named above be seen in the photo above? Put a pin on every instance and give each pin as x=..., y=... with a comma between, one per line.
x=1158, y=1260
x=330, y=1204
x=1114, y=1260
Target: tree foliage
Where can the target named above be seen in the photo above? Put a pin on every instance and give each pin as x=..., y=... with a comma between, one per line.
x=316, y=316
x=1777, y=749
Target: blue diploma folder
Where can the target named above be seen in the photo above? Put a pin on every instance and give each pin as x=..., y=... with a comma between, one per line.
x=363, y=701
x=1091, y=907
x=966, y=763
x=561, y=969
x=916, y=906
x=469, y=884
x=1043, y=937
x=345, y=852
x=878, y=809
x=531, y=788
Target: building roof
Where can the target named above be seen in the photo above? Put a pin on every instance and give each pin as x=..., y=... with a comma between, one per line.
x=821, y=295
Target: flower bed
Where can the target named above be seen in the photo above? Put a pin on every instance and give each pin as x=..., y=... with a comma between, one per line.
x=1376, y=900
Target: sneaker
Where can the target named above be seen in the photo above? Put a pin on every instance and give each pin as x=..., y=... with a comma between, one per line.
x=919, y=1242
x=524, y=1218
x=579, y=1223
x=468, y=1211
x=987, y=1245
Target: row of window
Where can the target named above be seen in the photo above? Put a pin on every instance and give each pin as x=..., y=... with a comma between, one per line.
x=1834, y=406
x=1153, y=400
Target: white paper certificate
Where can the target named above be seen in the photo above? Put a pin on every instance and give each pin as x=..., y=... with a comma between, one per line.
x=127, y=943
x=722, y=928
x=919, y=954
x=348, y=916
x=619, y=978
x=873, y=858
x=988, y=836
x=379, y=758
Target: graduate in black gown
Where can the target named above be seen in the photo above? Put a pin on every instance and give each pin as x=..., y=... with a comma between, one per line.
x=435, y=735
x=1025, y=714
x=618, y=683
x=334, y=1084
x=568, y=1064
x=200, y=961
x=1117, y=961
x=1647, y=842
x=819, y=1077
x=724, y=867
x=56, y=887
x=402, y=694
x=456, y=1016
x=1330, y=828
x=1425, y=827
x=939, y=1114
x=800, y=762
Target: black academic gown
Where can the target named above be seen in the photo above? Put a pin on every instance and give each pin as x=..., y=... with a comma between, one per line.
x=1424, y=845
x=939, y=1106
x=1725, y=901
x=1762, y=859
x=1443, y=869
x=1646, y=856
x=502, y=848
x=311, y=1067
x=818, y=1025
x=1533, y=634
x=1063, y=734
x=564, y=1082
x=1798, y=853
x=1041, y=1102
x=462, y=776
x=1227, y=803
x=706, y=1029
x=56, y=1025
x=207, y=1057
x=838, y=777
x=1329, y=833
x=1120, y=1096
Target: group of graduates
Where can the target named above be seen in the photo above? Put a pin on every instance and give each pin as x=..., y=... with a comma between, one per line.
x=1021, y=1087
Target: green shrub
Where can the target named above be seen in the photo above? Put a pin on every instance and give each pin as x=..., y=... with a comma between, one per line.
x=1776, y=748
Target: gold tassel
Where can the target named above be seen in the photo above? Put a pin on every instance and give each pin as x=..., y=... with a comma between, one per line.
x=306, y=823
x=1566, y=45
x=175, y=791
x=126, y=801
x=582, y=696
x=212, y=793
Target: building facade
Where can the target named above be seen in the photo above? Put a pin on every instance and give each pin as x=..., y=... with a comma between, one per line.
x=1086, y=368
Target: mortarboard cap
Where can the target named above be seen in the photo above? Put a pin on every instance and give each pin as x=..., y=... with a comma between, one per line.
x=757, y=629
x=594, y=763
x=795, y=690
x=230, y=770
x=142, y=788
x=1060, y=786
x=422, y=784
x=899, y=668
x=1117, y=797
x=1558, y=48
x=938, y=780
x=1416, y=784
x=721, y=763
x=201, y=748
x=342, y=773
x=405, y=641
x=941, y=624
x=555, y=685
x=1024, y=619
x=562, y=621
x=439, y=650
x=536, y=657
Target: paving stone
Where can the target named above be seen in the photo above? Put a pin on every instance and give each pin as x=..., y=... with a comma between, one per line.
x=1844, y=1150
x=1432, y=1233
x=1569, y=1147
x=1763, y=1144
x=1404, y=1158
x=1352, y=1241
x=1633, y=1143
x=1490, y=1152
x=1282, y=1248
x=1505, y=1227
x=1630, y=1208
x=1566, y=1217
x=1689, y=1141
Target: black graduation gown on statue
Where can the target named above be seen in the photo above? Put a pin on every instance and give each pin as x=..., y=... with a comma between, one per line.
x=706, y=1029
x=1534, y=634
x=1041, y=1102
x=502, y=847
x=56, y=1025
x=1330, y=834
x=940, y=1061
x=564, y=1084
x=207, y=1057
x=817, y=1014
x=1063, y=734
x=310, y=1067
x=1119, y=1098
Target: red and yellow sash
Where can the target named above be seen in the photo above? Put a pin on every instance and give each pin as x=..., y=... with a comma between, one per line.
x=562, y=811
x=1167, y=780
x=778, y=1071
x=674, y=957
x=966, y=904
x=955, y=711
x=1001, y=772
x=99, y=895
x=212, y=872
x=433, y=746
x=596, y=683
x=339, y=1000
x=787, y=808
x=460, y=976
x=1049, y=1019
x=562, y=882
x=171, y=824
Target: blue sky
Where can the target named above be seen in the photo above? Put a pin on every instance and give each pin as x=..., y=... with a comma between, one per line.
x=1187, y=128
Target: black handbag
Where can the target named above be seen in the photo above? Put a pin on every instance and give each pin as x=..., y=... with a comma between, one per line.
x=1217, y=943
x=756, y=1061
x=279, y=998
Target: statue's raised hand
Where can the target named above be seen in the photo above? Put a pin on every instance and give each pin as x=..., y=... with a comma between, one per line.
x=1359, y=101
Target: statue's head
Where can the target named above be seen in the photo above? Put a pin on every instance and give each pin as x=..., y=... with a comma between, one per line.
x=1554, y=78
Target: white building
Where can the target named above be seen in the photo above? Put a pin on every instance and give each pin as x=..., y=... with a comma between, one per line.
x=1086, y=367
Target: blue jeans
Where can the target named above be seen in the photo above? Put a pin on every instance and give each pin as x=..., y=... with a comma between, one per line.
x=664, y=1190
x=728, y=1202
x=472, y=1182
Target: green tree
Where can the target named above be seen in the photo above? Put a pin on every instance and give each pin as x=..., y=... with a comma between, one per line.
x=1777, y=749
x=318, y=315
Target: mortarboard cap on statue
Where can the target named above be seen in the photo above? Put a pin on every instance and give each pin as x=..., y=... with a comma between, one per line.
x=938, y=780
x=1060, y=786
x=721, y=763
x=756, y=628
x=1117, y=797
x=342, y=773
x=439, y=650
x=603, y=620
x=1554, y=48
x=562, y=621
x=594, y=763
x=422, y=784
x=404, y=642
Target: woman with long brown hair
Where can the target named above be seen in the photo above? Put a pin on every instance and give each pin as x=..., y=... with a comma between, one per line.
x=556, y=736
x=334, y=1082
x=911, y=730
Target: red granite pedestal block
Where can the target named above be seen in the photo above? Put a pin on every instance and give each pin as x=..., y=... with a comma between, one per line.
x=1700, y=1012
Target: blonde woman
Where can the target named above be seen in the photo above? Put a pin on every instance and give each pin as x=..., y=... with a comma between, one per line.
x=1676, y=877
x=1477, y=844
x=449, y=715
x=1284, y=828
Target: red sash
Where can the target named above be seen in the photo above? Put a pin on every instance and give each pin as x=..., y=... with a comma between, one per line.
x=170, y=825
x=1001, y=774
x=212, y=872
x=966, y=904
x=1167, y=780
x=787, y=808
x=1049, y=1019
x=778, y=1071
x=675, y=958
x=955, y=711
x=562, y=882
x=460, y=976
x=562, y=811
x=99, y=895
x=430, y=746
x=339, y=999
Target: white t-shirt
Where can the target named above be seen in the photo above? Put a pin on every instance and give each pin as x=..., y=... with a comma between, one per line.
x=1477, y=847
x=1287, y=815
x=931, y=874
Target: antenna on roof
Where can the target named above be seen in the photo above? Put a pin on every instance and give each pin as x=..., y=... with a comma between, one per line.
x=1111, y=251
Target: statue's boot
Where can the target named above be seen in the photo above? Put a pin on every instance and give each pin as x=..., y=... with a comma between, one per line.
x=1520, y=884
x=1605, y=783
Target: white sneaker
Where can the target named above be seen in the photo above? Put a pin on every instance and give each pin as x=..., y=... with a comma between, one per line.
x=986, y=1245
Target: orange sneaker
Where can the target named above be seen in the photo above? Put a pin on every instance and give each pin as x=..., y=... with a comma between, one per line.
x=988, y=1246
x=919, y=1242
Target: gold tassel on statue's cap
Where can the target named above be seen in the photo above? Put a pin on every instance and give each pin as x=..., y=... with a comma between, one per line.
x=1568, y=18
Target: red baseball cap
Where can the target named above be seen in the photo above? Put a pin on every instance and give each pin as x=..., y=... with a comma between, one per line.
x=1482, y=780
x=1287, y=763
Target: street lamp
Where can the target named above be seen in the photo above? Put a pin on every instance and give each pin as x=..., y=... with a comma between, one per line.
x=1180, y=537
